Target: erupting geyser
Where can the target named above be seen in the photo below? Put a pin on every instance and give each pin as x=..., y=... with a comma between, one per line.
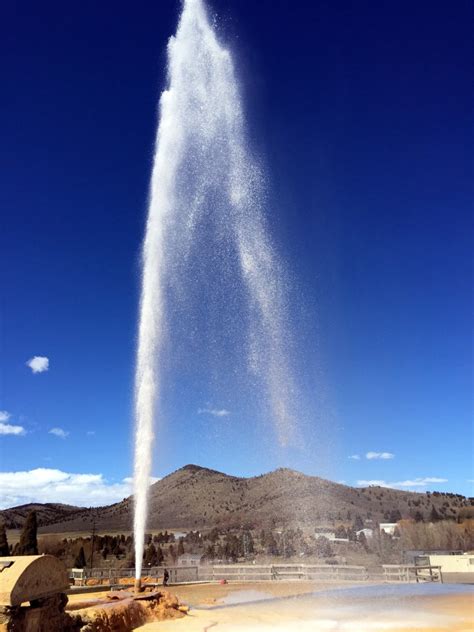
x=204, y=176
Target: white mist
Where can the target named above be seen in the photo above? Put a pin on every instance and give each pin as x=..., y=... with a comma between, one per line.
x=203, y=170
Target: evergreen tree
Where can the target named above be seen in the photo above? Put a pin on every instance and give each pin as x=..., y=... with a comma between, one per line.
x=271, y=546
x=213, y=535
x=4, y=548
x=172, y=553
x=28, y=544
x=159, y=556
x=248, y=546
x=418, y=516
x=80, y=561
x=341, y=532
x=363, y=540
x=323, y=547
x=149, y=556
x=117, y=551
x=358, y=523
x=395, y=515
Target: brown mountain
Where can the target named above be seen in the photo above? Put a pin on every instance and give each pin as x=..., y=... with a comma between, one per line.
x=197, y=497
x=47, y=513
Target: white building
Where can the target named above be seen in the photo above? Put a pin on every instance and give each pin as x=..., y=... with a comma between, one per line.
x=455, y=568
x=388, y=527
x=369, y=533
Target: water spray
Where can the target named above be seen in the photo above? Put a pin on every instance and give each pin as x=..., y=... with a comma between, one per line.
x=204, y=174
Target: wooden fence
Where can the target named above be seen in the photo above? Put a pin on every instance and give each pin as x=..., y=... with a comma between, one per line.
x=228, y=572
x=274, y=572
x=412, y=574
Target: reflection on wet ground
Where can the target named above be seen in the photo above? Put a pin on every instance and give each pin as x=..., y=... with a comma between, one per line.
x=410, y=607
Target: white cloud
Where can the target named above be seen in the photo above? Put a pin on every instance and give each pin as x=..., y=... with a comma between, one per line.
x=215, y=412
x=9, y=429
x=129, y=480
x=379, y=455
x=59, y=432
x=90, y=433
x=38, y=364
x=372, y=483
x=410, y=483
x=4, y=415
x=354, y=457
x=47, y=485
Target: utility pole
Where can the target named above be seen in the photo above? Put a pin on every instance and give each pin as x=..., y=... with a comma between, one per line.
x=92, y=542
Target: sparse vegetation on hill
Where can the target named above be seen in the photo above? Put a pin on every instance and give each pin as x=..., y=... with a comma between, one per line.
x=199, y=498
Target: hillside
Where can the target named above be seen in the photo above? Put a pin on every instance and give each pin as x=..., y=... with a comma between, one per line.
x=196, y=497
x=48, y=513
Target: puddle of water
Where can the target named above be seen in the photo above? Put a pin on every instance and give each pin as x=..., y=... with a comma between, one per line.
x=383, y=608
x=244, y=596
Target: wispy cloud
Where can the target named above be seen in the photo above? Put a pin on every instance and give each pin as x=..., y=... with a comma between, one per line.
x=59, y=432
x=9, y=429
x=425, y=481
x=379, y=455
x=38, y=364
x=354, y=457
x=215, y=412
x=47, y=485
x=90, y=433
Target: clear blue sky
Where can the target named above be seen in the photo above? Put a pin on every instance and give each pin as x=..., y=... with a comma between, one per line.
x=362, y=113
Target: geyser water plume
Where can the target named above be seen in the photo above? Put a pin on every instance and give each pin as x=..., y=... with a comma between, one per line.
x=204, y=175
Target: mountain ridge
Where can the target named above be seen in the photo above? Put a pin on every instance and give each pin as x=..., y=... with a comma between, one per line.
x=196, y=497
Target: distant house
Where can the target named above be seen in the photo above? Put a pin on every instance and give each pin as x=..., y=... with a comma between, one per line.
x=369, y=533
x=421, y=556
x=388, y=527
x=325, y=533
x=330, y=535
x=189, y=559
x=455, y=568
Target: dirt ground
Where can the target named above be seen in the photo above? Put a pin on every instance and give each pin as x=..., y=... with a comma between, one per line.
x=196, y=595
x=212, y=594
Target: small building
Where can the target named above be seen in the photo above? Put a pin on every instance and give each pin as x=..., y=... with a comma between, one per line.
x=190, y=559
x=388, y=527
x=369, y=533
x=420, y=557
x=456, y=569
x=324, y=533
